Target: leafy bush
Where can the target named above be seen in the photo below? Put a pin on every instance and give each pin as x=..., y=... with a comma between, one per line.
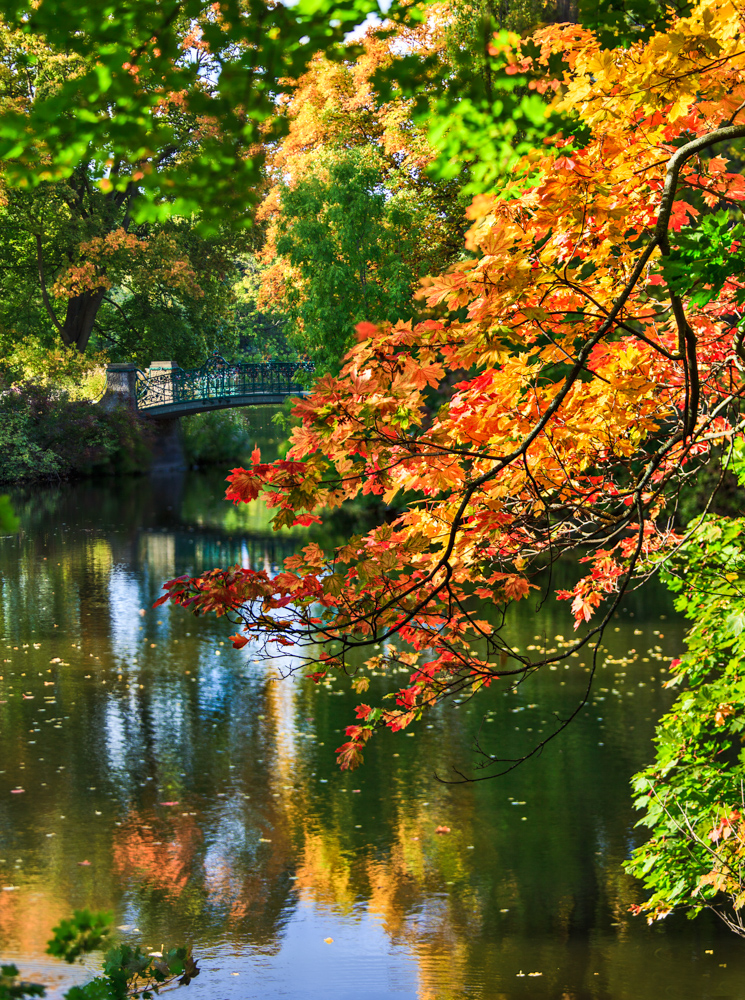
x=46, y=434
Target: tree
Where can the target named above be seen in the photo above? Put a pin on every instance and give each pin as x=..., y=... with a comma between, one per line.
x=353, y=218
x=119, y=119
x=382, y=135
x=75, y=264
x=73, y=272
x=172, y=98
x=345, y=248
x=596, y=323
x=261, y=326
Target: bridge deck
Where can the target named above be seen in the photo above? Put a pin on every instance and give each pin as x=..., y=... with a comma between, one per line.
x=218, y=385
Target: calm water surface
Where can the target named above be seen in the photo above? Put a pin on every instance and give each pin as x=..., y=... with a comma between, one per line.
x=149, y=768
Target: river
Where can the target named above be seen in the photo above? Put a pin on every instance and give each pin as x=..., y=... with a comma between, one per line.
x=149, y=768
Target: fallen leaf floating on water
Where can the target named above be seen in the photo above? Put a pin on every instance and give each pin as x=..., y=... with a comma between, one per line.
x=442, y=829
x=328, y=940
x=56, y=659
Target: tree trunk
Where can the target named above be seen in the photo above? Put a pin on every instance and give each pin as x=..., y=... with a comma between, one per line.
x=80, y=317
x=566, y=10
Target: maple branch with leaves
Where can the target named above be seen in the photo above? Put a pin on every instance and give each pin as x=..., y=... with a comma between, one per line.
x=591, y=387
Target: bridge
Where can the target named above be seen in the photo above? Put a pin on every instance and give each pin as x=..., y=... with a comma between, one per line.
x=165, y=393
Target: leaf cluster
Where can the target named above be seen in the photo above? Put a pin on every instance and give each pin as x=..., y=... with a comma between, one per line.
x=127, y=972
x=703, y=258
x=84, y=932
x=692, y=795
x=223, y=67
x=130, y=972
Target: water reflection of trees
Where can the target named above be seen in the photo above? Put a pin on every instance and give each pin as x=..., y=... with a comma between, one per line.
x=264, y=821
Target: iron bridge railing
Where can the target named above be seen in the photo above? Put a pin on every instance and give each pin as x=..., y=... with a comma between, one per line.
x=218, y=379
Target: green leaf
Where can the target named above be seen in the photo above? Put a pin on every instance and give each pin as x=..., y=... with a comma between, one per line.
x=86, y=931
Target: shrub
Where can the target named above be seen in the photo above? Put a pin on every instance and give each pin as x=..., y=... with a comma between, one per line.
x=46, y=434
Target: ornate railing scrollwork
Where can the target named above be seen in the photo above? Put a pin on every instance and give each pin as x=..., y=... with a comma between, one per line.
x=218, y=379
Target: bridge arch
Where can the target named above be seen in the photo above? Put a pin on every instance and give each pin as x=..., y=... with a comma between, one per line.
x=165, y=393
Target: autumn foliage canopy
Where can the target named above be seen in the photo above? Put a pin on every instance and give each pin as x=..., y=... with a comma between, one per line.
x=558, y=385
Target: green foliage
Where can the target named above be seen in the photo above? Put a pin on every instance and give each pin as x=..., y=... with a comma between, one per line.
x=45, y=434
x=127, y=971
x=155, y=290
x=704, y=256
x=349, y=243
x=692, y=796
x=130, y=972
x=483, y=116
x=132, y=145
x=480, y=118
x=260, y=328
x=131, y=54
x=219, y=436
x=86, y=931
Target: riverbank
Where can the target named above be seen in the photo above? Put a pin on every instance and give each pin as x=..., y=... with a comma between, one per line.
x=46, y=434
